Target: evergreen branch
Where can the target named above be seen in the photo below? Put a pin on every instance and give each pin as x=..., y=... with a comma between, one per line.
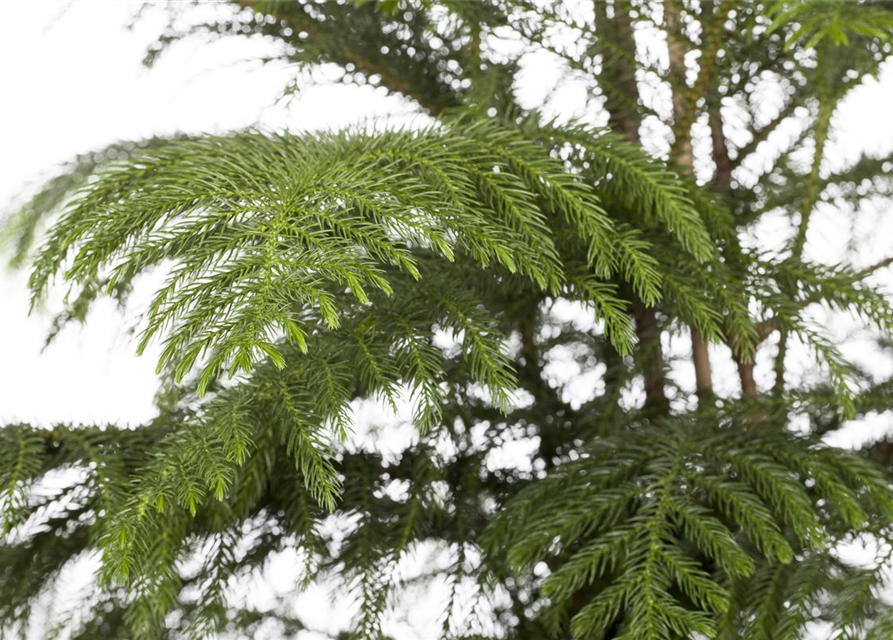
x=632, y=559
x=335, y=212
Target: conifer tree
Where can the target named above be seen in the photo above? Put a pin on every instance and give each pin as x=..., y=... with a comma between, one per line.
x=427, y=266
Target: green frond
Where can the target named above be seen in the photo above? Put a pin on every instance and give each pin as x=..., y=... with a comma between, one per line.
x=657, y=521
x=629, y=178
x=257, y=258
x=20, y=462
x=20, y=227
x=511, y=288
x=834, y=20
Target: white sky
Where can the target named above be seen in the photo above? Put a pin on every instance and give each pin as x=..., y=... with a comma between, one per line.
x=71, y=80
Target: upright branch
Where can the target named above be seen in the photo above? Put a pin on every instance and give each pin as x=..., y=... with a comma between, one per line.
x=686, y=100
x=685, y=105
x=619, y=71
x=722, y=182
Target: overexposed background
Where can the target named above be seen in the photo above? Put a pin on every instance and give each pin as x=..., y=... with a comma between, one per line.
x=71, y=80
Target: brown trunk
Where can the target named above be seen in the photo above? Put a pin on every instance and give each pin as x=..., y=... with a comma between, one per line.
x=701, y=358
x=748, y=383
x=650, y=355
x=621, y=71
x=723, y=177
x=682, y=157
x=723, y=180
x=681, y=153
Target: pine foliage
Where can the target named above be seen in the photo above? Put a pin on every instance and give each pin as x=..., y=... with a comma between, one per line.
x=334, y=212
x=651, y=528
x=431, y=268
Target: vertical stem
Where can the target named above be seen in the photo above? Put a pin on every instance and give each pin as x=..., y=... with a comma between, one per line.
x=553, y=433
x=823, y=126
x=650, y=355
x=778, y=386
x=721, y=159
x=748, y=382
x=621, y=72
x=723, y=182
x=683, y=158
x=681, y=151
x=703, y=371
x=685, y=105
